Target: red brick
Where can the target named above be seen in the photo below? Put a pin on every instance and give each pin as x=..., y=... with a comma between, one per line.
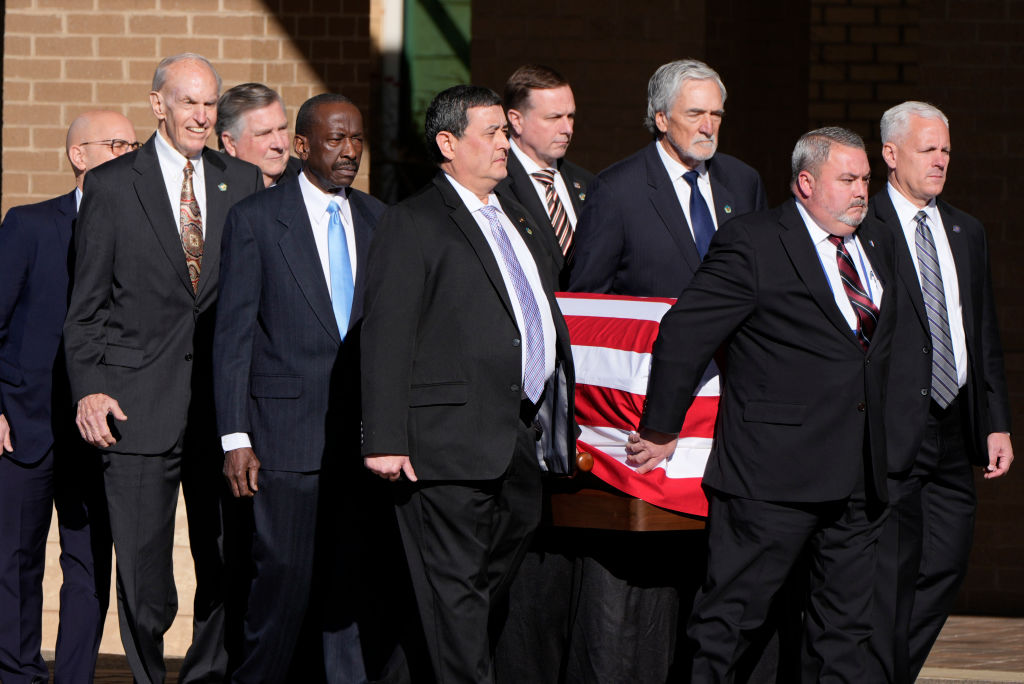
x=897, y=53
x=29, y=114
x=874, y=72
x=31, y=160
x=174, y=45
x=847, y=53
x=51, y=184
x=898, y=15
x=17, y=137
x=96, y=69
x=849, y=15
x=31, y=24
x=158, y=25
x=62, y=91
x=235, y=26
x=96, y=24
x=126, y=47
x=828, y=33
x=32, y=68
x=847, y=91
x=50, y=137
x=17, y=91
x=875, y=34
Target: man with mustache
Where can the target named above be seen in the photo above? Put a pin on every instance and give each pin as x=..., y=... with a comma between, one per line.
x=286, y=376
x=138, y=341
x=948, y=402
x=467, y=380
x=804, y=303
x=253, y=126
x=643, y=231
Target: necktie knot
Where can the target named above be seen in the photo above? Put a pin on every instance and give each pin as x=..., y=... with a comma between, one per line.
x=691, y=178
x=333, y=207
x=545, y=176
x=188, y=169
x=921, y=218
x=836, y=240
x=489, y=212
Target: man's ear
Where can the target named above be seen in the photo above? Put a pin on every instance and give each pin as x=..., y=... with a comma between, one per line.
x=156, y=102
x=889, y=154
x=805, y=184
x=301, y=146
x=661, y=121
x=515, y=120
x=446, y=142
x=229, y=144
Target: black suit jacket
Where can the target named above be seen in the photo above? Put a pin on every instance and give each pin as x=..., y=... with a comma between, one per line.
x=632, y=237
x=282, y=372
x=910, y=377
x=520, y=187
x=135, y=329
x=34, y=279
x=441, y=352
x=802, y=403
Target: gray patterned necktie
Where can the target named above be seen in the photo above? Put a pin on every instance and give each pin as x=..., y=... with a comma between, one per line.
x=944, y=378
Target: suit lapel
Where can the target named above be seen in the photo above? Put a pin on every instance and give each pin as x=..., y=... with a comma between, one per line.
x=725, y=198
x=216, y=212
x=152, y=193
x=666, y=202
x=526, y=192
x=363, y=226
x=808, y=266
x=577, y=187
x=461, y=217
x=958, y=244
x=886, y=214
x=300, y=253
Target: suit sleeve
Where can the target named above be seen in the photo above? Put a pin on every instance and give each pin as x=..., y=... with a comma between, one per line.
x=994, y=384
x=14, y=267
x=599, y=241
x=237, y=311
x=760, y=200
x=720, y=297
x=395, y=288
x=88, y=311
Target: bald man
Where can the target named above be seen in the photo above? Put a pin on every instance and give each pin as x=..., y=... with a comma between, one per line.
x=42, y=460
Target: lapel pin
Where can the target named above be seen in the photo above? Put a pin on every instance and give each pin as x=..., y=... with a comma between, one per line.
x=576, y=184
x=956, y=229
x=529, y=231
x=728, y=209
x=583, y=196
x=871, y=242
x=223, y=187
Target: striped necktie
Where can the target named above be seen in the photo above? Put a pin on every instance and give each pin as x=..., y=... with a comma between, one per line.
x=556, y=211
x=944, y=378
x=863, y=307
x=533, y=373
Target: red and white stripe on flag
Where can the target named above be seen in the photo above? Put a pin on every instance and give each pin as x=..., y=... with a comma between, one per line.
x=611, y=337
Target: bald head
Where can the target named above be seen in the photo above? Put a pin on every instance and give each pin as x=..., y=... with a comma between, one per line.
x=90, y=138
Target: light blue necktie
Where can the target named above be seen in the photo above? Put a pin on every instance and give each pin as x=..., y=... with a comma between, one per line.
x=341, y=269
x=533, y=375
x=944, y=378
x=700, y=216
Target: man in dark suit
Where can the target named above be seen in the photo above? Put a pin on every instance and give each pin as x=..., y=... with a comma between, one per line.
x=643, y=230
x=541, y=114
x=138, y=340
x=798, y=462
x=286, y=361
x=467, y=380
x=42, y=459
x=252, y=126
x=948, y=403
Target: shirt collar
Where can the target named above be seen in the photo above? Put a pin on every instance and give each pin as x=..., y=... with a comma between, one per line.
x=529, y=165
x=470, y=199
x=817, y=233
x=906, y=210
x=316, y=200
x=172, y=158
x=674, y=168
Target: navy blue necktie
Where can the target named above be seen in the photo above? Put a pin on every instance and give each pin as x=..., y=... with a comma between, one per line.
x=700, y=216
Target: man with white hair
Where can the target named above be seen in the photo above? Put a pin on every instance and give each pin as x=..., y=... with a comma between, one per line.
x=43, y=463
x=948, y=406
x=252, y=125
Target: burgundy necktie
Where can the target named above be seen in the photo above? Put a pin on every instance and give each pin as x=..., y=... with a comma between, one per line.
x=867, y=312
x=556, y=212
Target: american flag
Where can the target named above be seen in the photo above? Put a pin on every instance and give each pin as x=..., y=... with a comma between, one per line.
x=611, y=339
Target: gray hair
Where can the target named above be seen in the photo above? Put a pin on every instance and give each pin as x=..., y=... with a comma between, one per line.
x=160, y=75
x=812, y=149
x=236, y=102
x=664, y=86
x=896, y=120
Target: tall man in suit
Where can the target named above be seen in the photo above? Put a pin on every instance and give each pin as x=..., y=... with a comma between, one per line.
x=42, y=460
x=644, y=229
x=947, y=391
x=643, y=232
x=138, y=340
x=467, y=382
x=541, y=114
x=286, y=362
x=252, y=126
x=805, y=303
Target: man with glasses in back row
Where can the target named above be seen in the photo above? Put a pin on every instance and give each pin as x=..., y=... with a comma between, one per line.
x=42, y=461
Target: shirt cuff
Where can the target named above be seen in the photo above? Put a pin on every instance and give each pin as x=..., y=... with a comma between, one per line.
x=236, y=440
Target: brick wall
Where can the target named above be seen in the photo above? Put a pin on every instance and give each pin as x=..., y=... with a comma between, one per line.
x=62, y=57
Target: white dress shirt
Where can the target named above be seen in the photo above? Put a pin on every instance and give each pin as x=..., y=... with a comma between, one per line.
x=78, y=198
x=172, y=168
x=906, y=212
x=532, y=167
x=529, y=267
x=316, y=202
x=682, y=188
x=827, y=256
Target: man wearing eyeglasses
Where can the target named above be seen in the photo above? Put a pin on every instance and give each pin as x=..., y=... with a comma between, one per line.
x=138, y=341
x=42, y=460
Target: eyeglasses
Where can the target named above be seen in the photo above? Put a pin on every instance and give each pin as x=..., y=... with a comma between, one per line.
x=116, y=145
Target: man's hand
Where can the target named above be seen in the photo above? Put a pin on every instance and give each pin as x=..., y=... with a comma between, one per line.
x=390, y=466
x=241, y=468
x=647, y=448
x=1000, y=455
x=5, y=435
x=93, y=410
